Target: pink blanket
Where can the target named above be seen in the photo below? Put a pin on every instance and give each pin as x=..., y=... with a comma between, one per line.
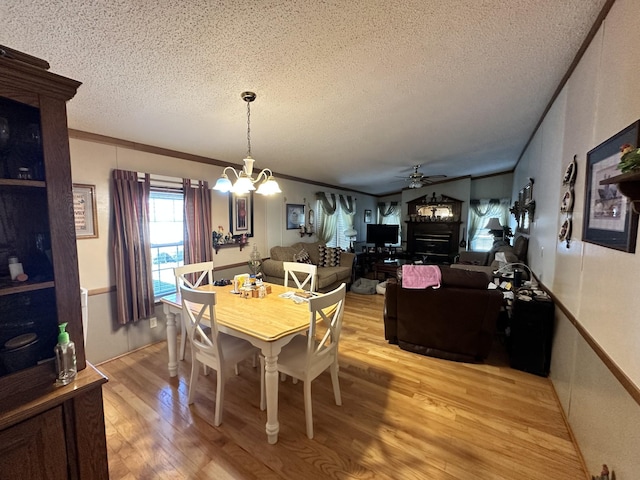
x=421, y=276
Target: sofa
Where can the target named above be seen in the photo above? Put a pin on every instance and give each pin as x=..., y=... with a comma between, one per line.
x=455, y=322
x=329, y=277
x=487, y=263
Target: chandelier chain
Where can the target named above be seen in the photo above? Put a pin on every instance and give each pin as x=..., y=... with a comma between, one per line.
x=248, y=129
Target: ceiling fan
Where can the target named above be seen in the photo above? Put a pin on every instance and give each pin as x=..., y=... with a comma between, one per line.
x=418, y=179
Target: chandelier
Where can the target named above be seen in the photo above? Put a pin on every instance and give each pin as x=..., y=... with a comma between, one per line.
x=244, y=180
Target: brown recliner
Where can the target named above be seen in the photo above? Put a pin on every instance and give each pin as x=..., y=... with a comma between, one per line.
x=456, y=321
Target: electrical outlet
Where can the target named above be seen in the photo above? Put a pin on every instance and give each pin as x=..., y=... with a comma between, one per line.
x=153, y=322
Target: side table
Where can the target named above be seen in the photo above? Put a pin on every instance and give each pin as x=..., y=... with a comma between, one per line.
x=531, y=332
x=388, y=268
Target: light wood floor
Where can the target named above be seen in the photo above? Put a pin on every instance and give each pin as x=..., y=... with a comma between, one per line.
x=404, y=416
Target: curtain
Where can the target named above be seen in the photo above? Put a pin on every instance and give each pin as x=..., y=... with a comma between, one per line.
x=348, y=211
x=197, y=222
x=484, y=209
x=386, y=209
x=329, y=219
x=132, y=252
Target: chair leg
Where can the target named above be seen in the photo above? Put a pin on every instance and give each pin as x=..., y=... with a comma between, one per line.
x=236, y=370
x=219, y=396
x=183, y=338
x=308, y=413
x=263, y=400
x=193, y=380
x=336, y=383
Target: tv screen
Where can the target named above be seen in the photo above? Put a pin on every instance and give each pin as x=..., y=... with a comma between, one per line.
x=380, y=235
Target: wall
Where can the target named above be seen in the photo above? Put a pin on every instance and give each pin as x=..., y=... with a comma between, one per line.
x=595, y=286
x=92, y=162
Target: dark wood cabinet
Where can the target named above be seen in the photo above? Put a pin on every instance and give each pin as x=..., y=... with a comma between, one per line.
x=42, y=427
x=433, y=231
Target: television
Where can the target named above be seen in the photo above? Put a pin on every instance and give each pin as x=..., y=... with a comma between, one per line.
x=380, y=235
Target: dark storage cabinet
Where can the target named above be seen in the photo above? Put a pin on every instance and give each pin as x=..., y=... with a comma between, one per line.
x=45, y=431
x=531, y=335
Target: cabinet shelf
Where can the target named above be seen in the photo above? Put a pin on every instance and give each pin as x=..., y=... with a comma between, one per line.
x=11, y=288
x=628, y=184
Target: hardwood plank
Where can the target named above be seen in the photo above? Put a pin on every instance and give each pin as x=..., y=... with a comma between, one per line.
x=403, y=416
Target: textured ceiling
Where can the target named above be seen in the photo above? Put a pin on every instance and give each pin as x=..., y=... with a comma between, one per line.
x=350, y=92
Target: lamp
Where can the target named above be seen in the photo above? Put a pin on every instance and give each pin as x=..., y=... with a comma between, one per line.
x=244, y=180
x=351, y=233
x=493, y=224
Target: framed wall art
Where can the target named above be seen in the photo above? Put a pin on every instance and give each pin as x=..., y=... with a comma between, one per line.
x=609, y=220
x=295, y=216
x=367, y=216
x=84, y=211
x=241, y=214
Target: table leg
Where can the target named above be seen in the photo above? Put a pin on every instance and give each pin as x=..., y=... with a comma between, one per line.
x=271, y=387
x=172, y=341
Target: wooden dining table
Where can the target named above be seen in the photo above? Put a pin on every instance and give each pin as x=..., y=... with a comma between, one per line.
x=268, y=323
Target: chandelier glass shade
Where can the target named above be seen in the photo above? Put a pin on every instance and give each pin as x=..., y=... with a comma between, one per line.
x=244, y=181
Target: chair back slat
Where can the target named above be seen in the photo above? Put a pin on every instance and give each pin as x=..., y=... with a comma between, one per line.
x=194, y=275
x=308, y=279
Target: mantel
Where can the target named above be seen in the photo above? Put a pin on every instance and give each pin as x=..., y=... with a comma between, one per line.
x=628, y=184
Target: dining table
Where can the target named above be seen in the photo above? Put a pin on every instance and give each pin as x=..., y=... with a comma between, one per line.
x=268, y=323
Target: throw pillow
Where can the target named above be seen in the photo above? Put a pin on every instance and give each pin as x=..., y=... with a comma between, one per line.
x=329, y=256
x=302, y=257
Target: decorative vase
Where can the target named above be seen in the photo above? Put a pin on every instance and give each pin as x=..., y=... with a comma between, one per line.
x=255, y=261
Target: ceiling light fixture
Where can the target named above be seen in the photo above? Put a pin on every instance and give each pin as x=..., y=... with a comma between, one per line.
x=244, y=180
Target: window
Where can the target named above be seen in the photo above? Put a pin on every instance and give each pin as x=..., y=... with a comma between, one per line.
x=166, y=228
x=480, y=238
x=392, y=219
x=338, y=239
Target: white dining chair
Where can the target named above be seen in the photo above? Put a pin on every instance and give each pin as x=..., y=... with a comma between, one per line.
x=306, y=281
x=208, y=346
x=306, y=357
x=192, y=276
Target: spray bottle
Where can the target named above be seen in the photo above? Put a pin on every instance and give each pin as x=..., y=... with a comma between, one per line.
x=65, y=357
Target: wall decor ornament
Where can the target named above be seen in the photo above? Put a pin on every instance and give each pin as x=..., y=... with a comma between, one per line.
x=566, y=202
x=609, y=219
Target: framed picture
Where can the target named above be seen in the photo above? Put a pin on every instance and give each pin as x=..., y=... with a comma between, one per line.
x=609, y=220
x=241, y=214
x=295, y=216
x=367, y=216
x=84, y=211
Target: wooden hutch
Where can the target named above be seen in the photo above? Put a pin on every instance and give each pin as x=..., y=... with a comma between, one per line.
x=46, y=431
x=433, y=229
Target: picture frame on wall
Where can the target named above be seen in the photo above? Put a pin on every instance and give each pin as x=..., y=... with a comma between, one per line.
x=241, y=214
x=85, y=211
x=609, y=219
x=367, y=216
x=295, y=216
